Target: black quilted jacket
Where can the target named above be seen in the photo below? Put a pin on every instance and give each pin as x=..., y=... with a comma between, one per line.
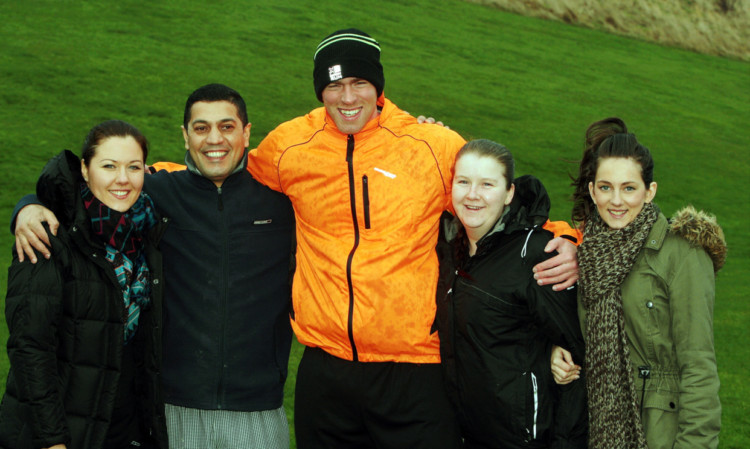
x=65, y=317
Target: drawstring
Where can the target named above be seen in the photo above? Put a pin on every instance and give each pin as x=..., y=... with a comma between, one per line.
x=523, y=250
x=644, y=372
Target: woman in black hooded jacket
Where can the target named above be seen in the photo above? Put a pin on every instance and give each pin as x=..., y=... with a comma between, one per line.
x=496, y=324
x=85, y=343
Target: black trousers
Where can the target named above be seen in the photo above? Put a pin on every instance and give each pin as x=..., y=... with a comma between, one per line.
x=383, y=405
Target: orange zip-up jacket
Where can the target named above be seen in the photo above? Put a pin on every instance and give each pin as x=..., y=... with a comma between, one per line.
x=368, y=207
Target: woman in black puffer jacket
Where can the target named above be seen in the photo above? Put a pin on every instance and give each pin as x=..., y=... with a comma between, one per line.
x=85, y=344
x=496, y=324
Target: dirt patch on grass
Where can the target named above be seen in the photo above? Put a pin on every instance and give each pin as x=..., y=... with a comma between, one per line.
x=719, y=27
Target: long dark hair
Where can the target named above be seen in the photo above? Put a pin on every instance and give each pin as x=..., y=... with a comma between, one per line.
x=606, y=138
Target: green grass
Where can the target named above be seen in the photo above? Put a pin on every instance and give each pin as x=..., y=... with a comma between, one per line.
x=531, y=84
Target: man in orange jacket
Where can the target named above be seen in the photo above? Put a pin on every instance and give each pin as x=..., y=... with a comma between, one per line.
x=368, y=185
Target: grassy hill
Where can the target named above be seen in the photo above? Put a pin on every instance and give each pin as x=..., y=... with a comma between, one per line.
x=532, y=84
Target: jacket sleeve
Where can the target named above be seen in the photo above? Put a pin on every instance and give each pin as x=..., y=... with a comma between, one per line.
x=452, y=143
x=555, y=313
x=32, y=310
x=691, y=300
x=25, y=201
x=167, y=166
x=262, y=162
x=563, y=229
x=444, y=144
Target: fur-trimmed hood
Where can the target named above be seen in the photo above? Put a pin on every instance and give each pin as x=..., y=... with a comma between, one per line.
x=701, y=229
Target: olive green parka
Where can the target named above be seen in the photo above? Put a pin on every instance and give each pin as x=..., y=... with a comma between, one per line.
x=668, y=300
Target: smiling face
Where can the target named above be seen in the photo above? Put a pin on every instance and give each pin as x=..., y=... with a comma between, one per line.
x=216, y=139
x=619, y=192
x=351, y=102
x=479, y=194
x=115, y=172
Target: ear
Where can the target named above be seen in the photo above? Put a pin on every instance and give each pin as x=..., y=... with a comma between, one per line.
x=511, y=192
x=185, y=136
x=84, y=171
x=246, y=134
x=651, y=192
x=591, y=190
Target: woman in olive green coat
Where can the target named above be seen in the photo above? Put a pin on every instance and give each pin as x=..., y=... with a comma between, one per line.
x=646, y=304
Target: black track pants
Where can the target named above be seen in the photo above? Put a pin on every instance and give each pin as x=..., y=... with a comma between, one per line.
x=383, y=405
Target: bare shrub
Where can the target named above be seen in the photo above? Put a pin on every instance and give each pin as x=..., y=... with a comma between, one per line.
x=719, y=27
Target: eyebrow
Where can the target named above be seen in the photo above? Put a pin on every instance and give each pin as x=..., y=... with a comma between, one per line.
x=610, y=182
x=229, y=119
x=117, y=160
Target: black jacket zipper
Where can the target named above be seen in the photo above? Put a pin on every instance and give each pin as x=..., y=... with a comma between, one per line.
x=353, y=203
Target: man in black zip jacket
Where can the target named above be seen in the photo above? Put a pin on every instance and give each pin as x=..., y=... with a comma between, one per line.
x=227, y=255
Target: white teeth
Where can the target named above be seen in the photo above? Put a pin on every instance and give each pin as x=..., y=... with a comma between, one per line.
x=349, y=112
x=215, y=153
x=119, y=192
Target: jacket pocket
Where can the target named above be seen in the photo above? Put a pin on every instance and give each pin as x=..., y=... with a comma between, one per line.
x=494, y=302
x=660, y=418
x=652, y=311
x=366, y=200
x=525, y=406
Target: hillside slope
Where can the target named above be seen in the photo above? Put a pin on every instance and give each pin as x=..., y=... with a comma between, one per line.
x=718, y=27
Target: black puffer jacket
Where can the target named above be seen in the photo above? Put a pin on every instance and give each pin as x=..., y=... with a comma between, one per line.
x=497, y=326
x=65, y=317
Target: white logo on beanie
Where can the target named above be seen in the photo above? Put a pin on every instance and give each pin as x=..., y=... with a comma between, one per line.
x=334, y=72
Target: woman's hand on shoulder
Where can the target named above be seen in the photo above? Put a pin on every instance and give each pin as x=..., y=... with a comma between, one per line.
x=563, y=369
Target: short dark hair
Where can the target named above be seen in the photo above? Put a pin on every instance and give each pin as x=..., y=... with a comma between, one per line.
x=215, y=92
x=485, y=147
x=107, y=129
x=606, y=138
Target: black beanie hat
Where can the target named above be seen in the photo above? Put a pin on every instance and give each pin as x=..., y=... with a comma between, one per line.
x=347, y=53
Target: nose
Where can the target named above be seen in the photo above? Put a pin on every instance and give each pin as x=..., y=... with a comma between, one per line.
x=214, y=136
x=472, y=193
x=122, y=176
x=347, y=95
x=616, y=197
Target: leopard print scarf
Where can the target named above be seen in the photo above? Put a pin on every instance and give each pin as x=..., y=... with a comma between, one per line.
x=605, y=258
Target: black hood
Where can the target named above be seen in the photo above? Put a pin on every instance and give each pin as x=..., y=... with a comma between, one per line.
x=528, y=209
x=530, y=205
x=59, y=184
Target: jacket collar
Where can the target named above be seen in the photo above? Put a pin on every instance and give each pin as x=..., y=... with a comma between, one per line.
x=193, y=169
x=385, y=108
x=658, y=233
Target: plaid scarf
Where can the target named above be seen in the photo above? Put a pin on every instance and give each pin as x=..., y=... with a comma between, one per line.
x=605, y=257
x=122, y=234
